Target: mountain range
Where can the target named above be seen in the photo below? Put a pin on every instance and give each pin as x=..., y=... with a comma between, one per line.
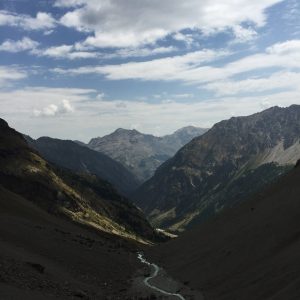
x=222, y=167
x=142, y=153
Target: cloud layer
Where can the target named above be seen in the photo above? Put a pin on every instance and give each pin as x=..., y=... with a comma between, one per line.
x=84, y=115
x=195, y=68
x=131, y=23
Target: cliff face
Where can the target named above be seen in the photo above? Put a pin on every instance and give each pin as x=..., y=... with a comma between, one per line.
x=228, y=163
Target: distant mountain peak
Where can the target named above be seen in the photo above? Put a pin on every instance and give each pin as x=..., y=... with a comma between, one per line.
x=123, y=131
x=142, y=153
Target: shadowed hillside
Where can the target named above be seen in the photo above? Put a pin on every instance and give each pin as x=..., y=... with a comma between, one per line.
x=45, y=257
x=71, y=155
x=83, y=198
x=247, y=252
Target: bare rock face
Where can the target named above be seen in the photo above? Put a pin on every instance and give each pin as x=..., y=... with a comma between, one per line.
x=142, y=153
x=222, y=167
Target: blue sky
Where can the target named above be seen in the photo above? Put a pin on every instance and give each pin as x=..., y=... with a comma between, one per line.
x=82, y=68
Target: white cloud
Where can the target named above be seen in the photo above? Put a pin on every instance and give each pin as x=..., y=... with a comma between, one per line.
x=279, y=80
x=53, y=110
x=10, y=73
x=167, y=69
x=64, y=52
x=50, y=110
x=243, y=34
x=131, y=23
x=66, y=106
x=42, y=21
x=186, y=38
x=285, y=48
x=193, y=68
x=79, y=51
x=18, y=46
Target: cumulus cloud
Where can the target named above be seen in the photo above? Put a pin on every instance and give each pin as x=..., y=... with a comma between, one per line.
x=50, y=110
x=53, y=110
x=18, y=46
x=116, y=23
x=42, y=21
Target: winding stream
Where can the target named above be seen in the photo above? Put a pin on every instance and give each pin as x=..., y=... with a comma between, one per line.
x=155, y=273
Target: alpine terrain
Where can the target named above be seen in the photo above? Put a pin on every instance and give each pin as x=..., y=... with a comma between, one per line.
x=142, y=153
x=222, y=167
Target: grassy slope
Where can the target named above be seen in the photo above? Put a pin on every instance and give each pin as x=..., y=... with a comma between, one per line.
x=247, y=252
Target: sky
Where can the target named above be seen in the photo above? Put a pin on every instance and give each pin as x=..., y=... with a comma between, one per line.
x=77, y=69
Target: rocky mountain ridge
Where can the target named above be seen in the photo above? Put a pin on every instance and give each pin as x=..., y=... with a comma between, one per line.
x=222, y=167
